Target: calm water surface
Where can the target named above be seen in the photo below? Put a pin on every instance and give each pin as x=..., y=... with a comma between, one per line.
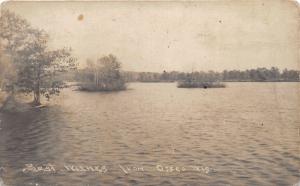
x=245, y=134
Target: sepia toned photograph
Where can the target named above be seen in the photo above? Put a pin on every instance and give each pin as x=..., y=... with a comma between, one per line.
x=150, y=93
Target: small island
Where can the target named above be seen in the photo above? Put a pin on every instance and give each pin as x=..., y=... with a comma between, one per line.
x=196, y=80
x=102, y=75
x=196, y=84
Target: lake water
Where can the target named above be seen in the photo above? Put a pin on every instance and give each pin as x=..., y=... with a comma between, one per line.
x=245, y=134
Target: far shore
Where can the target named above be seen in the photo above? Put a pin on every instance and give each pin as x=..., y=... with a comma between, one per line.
x=74, y=83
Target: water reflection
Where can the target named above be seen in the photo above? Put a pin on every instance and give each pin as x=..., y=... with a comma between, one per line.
x=28, y=137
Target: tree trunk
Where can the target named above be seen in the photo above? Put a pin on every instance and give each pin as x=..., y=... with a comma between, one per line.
x=37, y=98
x=36, y=92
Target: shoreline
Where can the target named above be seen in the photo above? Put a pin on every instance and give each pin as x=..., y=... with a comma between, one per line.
x=18, y=103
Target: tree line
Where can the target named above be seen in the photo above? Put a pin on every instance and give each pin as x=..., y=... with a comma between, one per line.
x=250, y=75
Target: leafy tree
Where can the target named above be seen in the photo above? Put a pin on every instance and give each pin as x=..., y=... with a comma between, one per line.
x=37, y=67
x=13, y=36
x=7, y=71
x=290, y=75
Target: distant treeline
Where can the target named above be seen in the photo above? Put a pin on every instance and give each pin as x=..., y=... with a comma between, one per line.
x=259, y=74
x=251, y=75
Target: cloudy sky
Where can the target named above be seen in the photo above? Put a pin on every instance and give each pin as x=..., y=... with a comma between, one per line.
x=184, y=36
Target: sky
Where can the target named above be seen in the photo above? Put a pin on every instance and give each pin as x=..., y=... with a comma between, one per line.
x=182, y=36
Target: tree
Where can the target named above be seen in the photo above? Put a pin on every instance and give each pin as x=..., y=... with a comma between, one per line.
x=290, y=75
x=7, y=71
x=39, y=74
x=12, y=38
x=109, y=73
x=37, y=67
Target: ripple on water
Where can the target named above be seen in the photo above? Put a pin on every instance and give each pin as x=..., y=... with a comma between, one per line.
x=160, y=124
